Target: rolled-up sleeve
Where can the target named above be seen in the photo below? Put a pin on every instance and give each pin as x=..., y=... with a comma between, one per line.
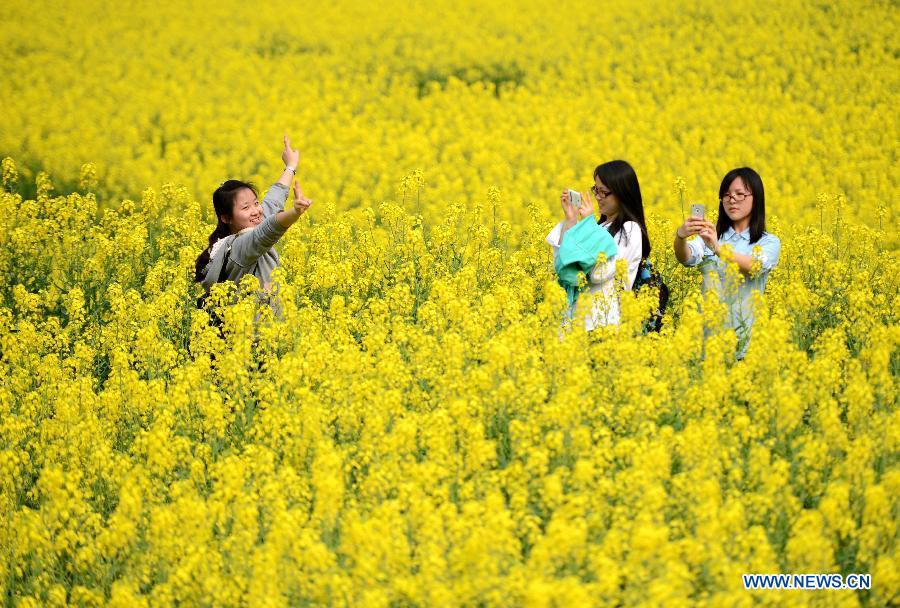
x=273, y=202
x=695, y=252
x=249, y=246
x=767, y=250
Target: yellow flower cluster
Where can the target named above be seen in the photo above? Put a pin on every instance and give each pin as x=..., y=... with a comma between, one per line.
x=417, y=430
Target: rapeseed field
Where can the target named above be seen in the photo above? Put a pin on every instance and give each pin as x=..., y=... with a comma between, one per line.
x=415, y=429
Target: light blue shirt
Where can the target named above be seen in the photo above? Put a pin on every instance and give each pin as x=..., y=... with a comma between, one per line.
x=739, y=298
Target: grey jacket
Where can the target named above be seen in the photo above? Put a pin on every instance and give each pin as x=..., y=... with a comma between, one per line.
x=251, y=248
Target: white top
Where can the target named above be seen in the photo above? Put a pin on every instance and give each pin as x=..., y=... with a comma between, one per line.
x=604, y=302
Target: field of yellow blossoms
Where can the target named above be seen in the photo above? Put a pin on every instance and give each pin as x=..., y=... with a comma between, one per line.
x=416, y=430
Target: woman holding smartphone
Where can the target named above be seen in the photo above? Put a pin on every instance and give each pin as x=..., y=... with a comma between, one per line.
x=247, y=230
x=742, y=227
x=618, y=195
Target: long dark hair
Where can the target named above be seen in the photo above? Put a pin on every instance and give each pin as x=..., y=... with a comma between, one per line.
x=753, y=181
x=620, y=178
x=223, y=203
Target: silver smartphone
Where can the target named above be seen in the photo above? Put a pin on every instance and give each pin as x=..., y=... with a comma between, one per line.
x=698, y=210
x=574, y=198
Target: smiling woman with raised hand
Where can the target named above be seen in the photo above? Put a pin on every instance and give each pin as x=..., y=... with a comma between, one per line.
x=247, y=230
x=741, y=227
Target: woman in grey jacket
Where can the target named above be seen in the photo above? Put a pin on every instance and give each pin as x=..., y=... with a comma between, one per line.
x=246, y=230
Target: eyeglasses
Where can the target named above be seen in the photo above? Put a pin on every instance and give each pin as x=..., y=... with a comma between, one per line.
x=738, y=197
x=600, y=194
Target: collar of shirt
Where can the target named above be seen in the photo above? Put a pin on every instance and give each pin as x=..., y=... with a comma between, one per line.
x=731, y=235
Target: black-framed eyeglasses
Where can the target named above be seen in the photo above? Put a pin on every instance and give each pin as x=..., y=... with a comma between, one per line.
x=738, y=197
x=600, y=194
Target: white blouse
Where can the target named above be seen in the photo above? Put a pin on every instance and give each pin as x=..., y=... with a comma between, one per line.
x=604, y=302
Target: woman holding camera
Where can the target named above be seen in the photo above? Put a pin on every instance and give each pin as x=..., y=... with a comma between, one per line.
x=246, y=229
x=739, y=236
x=618, y=196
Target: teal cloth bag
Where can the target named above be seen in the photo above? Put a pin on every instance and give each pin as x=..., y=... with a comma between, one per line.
x=578, y=253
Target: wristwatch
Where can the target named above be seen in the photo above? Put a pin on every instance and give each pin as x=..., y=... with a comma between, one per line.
x=291, y=169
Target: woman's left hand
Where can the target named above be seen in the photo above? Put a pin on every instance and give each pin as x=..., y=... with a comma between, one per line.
x=709, y=236
x=587, y=206
x=301, y=203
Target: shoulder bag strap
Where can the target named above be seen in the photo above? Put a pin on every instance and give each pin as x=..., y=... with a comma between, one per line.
x=224, y=264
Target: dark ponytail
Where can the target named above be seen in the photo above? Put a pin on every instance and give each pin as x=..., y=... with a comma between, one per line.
x=223, y=203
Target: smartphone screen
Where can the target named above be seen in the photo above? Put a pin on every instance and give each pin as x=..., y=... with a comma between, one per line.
x=574, y=198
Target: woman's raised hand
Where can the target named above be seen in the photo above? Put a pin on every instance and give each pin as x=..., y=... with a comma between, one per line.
x=691, y=226
x=288, y=217
x=301, y=203
x=570, y=212
x=587, y=206
x=702, y=227
x=709, y=236
x=290, y=156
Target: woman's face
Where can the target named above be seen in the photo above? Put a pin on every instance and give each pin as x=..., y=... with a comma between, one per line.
x=247, y=211
x=738, y=201
x=607, y=203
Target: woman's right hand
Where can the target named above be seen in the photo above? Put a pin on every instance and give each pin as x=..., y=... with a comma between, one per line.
x=570, y=212
x=290, y=156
